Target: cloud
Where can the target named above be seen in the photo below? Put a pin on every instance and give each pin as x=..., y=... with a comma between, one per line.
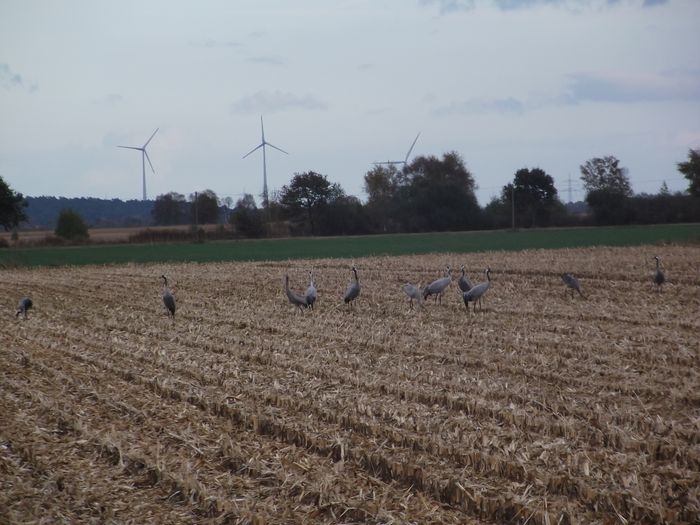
x=211, y=43
x=453, y=6
x=276, y=101
x=269, y=60
x=450, y=6
x=669, y=85
x=507, y=105
x=111, y=100
x=10, y=80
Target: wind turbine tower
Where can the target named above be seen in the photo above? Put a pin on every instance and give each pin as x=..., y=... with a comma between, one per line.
x=405, y=160
x=262, y=145
x=144, y=157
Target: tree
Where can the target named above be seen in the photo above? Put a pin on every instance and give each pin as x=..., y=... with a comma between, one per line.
x=204, y=207
x=535, y=197
x=247, y=218
x=691, y=170
x=70, y=225
x=605, y=174
x=381, y=187
x=608, y=190
x=437, y=194
x=169, y=208
x=11, y=207
x=306, y=194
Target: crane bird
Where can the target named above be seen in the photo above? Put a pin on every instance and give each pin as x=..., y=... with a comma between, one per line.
x=295, y=298
x=310, y=295
x=168, y=298
x=476, y=292
x=659, y=277
x=464, y=284
x=353, y=289
x=438, y=286
x=25, y=303
x=571, y=282
x=413, y=292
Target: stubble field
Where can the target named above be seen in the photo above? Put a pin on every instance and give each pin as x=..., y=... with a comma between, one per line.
x=539, y=409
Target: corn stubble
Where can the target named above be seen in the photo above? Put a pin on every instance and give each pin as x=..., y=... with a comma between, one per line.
x=540, y=409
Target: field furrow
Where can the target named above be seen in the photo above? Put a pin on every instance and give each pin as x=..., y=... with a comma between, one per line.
x=540, y=408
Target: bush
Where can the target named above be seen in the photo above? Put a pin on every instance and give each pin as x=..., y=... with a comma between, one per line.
x=71, y=226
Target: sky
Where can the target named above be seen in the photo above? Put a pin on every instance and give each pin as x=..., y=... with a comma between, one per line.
x=507, y=84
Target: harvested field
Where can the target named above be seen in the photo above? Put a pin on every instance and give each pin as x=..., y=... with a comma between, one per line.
x=540, y=409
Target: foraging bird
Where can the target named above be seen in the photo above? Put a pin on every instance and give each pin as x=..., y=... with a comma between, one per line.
x=476, y=292
x=168, y=298
x=464, y=284
x=659, y=277
x=25, y=303
x=295, y=298
x=413, y=292
x=571, y=282
x=310, y=294
x=353, y=289
x=438, y=286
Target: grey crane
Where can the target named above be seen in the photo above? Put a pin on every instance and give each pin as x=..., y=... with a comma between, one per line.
x=659, y=277
x=295, y=298
x=464, y=283
x=572, y=283
x=168, y=298
x=310, y=295
x=438, y=286
x=25, y=303
x=476, y=292
x=413, y=292
x=353, y=289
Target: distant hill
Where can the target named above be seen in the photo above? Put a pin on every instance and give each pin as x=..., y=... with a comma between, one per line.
x=98, y=213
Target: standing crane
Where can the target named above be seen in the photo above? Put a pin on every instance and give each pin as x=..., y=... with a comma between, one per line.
x=413, y=292
x=438, y=286
x=310, y=294
x=464, y=283
x=659, y=277
x=25, y=303
x=295, y=298
x=572, y=283
x=476, y=292
x=353, y=289
x=168, y=297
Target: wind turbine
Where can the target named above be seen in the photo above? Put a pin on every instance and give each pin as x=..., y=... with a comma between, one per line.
x=405, y=160
x=262, y=145
x=144, y=156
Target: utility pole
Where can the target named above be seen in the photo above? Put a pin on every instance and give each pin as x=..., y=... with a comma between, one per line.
x=570, y=188
x=196, y=210
x=512, y=203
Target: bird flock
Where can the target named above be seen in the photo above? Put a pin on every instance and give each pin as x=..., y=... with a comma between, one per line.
x=468, y=291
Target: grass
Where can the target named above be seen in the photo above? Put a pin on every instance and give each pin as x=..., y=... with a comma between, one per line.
x=349, y=247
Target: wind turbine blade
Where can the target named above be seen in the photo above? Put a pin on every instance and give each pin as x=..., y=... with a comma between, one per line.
x=262, y=128
x=130, y=147
x=149, y=140
x=148, y=159
x=278, y=149
x=255, y=148
x=405, y=161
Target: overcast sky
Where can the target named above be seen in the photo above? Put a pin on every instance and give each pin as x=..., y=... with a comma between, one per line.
x=506, y=83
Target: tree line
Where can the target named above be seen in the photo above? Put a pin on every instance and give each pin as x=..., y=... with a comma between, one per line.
x=438, y=194
x=428, y=194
